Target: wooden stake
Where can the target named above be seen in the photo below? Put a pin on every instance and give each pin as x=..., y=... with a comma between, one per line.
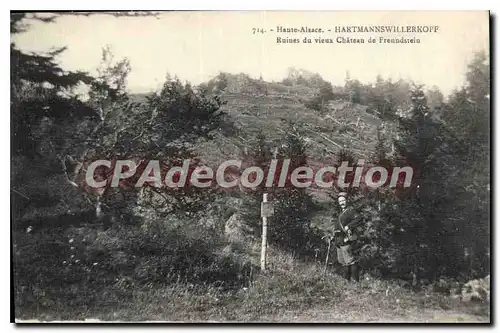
x=264, y=239
x=327, y=255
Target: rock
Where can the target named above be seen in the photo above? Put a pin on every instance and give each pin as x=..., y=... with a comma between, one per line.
x=472, y=296
x=477, y=290
x=236, y=229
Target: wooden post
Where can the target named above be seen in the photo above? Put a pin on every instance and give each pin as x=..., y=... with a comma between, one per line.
x=327, y=254
x=264, y=238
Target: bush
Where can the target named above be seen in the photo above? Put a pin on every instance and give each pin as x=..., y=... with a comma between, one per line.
x=314, y=103
x=52, y=263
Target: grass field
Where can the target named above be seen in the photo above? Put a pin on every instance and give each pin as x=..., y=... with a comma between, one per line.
x=290, y=291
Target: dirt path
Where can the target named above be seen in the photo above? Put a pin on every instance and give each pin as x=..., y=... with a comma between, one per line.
x=332, y=316
x=409, y=316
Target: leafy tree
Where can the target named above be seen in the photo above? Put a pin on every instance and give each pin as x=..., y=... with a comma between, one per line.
x=407, y=242
x=446, y=224
x=324, y=95
x=290, y=226
x=355, y=90
x=435, y=98
x=466, y=159
x=40, y=89
x=49, y=121
x=260, y=154
x=177, y=117
x=110, y=83
x=55, y=133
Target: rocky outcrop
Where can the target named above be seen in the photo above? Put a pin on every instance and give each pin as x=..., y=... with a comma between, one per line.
x=476, y=290
x=236, y=230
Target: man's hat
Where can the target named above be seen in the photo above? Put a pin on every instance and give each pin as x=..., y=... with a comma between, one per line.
x=342, y=194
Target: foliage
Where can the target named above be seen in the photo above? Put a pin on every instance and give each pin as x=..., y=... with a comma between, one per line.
x=41, y=92
x=259, y=154
x=324, y=95
x=440, y=226
x=290, y=226
x=50, y=262
x=157, y=238
x=49, y=121
x=54, y=126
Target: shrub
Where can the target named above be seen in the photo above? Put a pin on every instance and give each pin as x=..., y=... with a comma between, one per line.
x=51, y=263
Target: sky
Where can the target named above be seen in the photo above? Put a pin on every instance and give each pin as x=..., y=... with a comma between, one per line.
x=195, y=46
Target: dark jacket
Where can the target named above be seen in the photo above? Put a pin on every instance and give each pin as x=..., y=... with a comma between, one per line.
x=344, y=238
x=348, y=218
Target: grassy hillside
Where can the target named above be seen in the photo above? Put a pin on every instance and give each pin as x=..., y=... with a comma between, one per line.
x=256, y=106
x=341, y=125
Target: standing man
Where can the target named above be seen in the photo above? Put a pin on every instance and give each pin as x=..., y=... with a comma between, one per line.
x=344, y=238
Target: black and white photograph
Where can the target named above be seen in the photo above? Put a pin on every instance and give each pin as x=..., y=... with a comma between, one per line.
x=250, y=166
